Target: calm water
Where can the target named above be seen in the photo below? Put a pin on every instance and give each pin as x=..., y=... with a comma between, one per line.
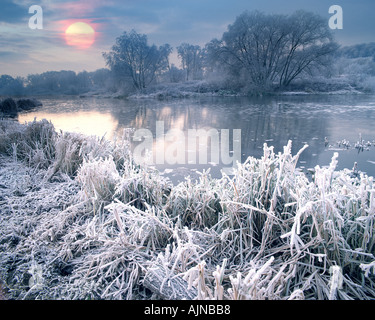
x=302, y=119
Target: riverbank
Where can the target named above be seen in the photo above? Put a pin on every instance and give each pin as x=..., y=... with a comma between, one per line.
x=79, y=220
x=209, y=88
x=203, y=88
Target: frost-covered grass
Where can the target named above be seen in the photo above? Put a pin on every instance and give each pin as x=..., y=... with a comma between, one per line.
x=79, y=220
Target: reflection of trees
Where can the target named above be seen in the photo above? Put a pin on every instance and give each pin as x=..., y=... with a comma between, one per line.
x=276, y=120
x=298, y=118
x=182, y=114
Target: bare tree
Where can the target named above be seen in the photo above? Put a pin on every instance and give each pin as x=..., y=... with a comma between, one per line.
x=310, y=43
x=269, y=49
x=132, y=58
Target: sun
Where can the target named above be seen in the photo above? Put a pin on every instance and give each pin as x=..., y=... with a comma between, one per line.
x=80, y=35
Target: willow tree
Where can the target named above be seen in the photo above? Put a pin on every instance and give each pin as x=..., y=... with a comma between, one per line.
x=269, y=49
x=131, y=57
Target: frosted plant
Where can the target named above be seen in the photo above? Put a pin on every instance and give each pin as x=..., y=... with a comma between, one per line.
x=36, y=279
x=151, y=228
x=219, y=277
x=196, y=277
x=100, y=223
x=297, y=295
x=367, y=268
x=335, y=282
x=251, y=287
x=98, y=179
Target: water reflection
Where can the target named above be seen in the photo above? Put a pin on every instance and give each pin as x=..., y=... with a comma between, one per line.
x=302, y=119
x=87, y=122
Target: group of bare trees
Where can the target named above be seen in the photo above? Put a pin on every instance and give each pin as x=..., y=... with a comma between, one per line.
x=10, y=85
x=192, y=60
x=133, y=59
x=57, y=82
x=264, y=50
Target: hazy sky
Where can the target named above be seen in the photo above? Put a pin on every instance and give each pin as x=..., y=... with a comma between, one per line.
x=24, y=51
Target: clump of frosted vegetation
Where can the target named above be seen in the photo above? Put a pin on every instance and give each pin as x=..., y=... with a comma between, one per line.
x=80, y=220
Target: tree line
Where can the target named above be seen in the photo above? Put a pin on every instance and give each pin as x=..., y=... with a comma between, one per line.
x=258, y=52
x=267, y=51
x=56, y=82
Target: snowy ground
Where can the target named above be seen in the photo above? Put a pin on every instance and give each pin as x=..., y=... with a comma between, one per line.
x=26, y=199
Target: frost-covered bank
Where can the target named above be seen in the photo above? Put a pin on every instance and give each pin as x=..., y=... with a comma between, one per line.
x=79, y=220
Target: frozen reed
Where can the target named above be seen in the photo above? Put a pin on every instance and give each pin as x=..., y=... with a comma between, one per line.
x=80, y=220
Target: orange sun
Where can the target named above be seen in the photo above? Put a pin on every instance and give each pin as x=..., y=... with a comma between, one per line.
x=80, y=35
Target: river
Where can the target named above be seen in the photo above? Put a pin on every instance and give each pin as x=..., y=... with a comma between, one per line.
x=304, y=119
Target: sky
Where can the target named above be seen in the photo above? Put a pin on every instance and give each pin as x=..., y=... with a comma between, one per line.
x=26, y=51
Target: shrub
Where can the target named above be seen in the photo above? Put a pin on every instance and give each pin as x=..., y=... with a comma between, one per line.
x=8, y=106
